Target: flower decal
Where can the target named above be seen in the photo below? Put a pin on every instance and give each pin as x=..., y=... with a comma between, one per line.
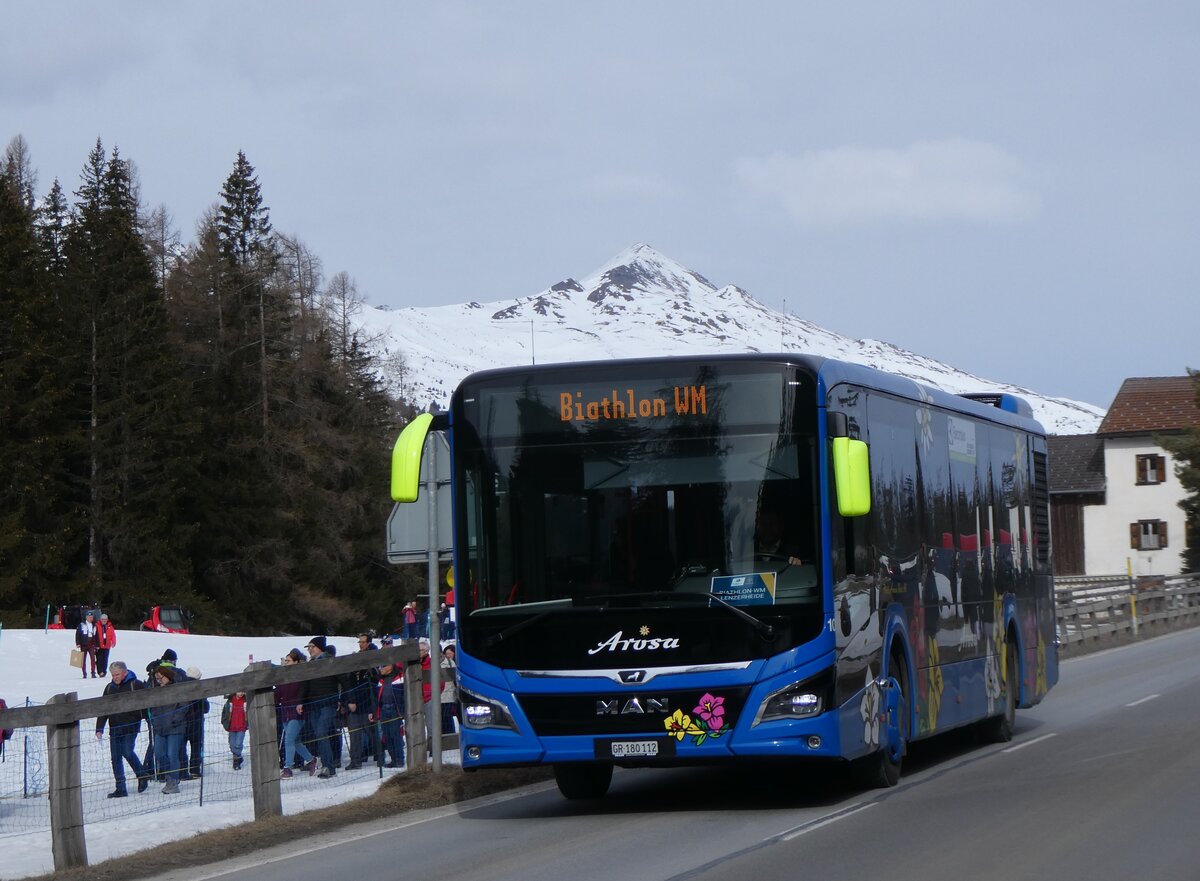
x=925, y=419
x=991, y=678
x=708, y=721
x=868, y=710
x=679, y=725
x=936, y=684
x=711, y=711
x=643, y=630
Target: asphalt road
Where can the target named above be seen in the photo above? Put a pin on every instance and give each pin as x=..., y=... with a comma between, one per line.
x=1101, y=781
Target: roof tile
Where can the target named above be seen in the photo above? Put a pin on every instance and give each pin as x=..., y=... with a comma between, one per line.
x=1149, y=404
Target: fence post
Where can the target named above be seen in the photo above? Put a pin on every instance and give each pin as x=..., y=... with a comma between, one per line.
x=66, y=791
x=1132, y=595
x=415, y=739
x=264, y=749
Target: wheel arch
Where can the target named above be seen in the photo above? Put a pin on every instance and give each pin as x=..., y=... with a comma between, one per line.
x=1012, y=634
x=896, y=640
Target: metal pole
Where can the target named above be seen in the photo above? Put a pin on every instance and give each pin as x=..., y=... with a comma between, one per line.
x=434, y=722
x=1132, y=595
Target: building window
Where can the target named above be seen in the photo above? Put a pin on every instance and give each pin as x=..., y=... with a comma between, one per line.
x=1151, y=469
x=1148, y=535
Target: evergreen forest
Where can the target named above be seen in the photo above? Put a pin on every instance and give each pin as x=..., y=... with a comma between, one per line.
x=185, y=423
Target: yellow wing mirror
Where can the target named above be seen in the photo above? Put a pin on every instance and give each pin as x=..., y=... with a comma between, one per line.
x=406, y=459
x=852, y=476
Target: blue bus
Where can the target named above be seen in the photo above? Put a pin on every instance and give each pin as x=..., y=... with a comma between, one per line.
x=669, y=561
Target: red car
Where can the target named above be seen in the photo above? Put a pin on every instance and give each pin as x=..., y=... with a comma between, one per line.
x=168, y=619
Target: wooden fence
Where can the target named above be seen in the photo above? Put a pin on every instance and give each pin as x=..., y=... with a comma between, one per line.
x=62, y=714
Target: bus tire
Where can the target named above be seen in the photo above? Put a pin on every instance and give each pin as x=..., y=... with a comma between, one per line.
x=881, y=769
x=999, y=729
x=583, y=781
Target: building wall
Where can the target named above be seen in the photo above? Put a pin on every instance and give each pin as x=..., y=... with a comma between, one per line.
x=1106, y=527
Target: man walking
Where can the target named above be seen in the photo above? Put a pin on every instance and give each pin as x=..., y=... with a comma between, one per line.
x=318, y=702
x=106, y=641
x=85, y=641
x=123, y=731
x=359, y=699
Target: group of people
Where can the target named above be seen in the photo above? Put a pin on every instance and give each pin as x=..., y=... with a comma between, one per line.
x=415, y=622
x=176, y=748
x=370, y=704
x=95, y=639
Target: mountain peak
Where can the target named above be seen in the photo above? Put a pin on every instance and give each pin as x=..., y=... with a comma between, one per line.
x=641, y=268
x=642, y=303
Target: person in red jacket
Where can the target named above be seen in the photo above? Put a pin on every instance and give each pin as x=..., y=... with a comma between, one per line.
x=106, y=641
x=234, y=720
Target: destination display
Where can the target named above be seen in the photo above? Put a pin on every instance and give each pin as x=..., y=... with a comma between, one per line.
x=688, y=400
x=707, y=398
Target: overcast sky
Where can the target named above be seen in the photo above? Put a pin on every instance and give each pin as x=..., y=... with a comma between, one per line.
x=1011, y=188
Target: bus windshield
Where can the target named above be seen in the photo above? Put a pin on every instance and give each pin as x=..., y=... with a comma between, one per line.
x=582, y=491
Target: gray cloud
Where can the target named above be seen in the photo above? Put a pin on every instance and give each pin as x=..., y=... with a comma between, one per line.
x=953, y=179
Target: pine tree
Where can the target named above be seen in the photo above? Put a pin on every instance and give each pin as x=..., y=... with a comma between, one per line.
x=53, y=216
x=1185, y=448
x=138, y=465
x=17, y=167
x=41, y=522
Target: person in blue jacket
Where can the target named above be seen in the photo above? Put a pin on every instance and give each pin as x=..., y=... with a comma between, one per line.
x=170, y=723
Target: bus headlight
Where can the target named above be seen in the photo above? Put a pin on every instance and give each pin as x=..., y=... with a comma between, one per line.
x=484, y=712
x=799, y=701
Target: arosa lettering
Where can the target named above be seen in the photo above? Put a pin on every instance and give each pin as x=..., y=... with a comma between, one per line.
x=689, y=400
x=618, y=643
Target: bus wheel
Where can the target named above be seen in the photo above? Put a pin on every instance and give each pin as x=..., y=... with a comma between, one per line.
x=999, y=729
x=881, y=769
x=583, y=781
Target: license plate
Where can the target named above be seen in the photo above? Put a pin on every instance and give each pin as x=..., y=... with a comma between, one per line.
x=635, y=749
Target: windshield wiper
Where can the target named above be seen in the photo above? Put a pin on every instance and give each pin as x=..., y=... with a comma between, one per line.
x=504, y=634
x=765, y=630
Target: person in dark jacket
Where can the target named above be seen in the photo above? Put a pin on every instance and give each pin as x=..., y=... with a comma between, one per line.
x=287, y=699
x=193, y=762
x=123, y=730
x=150, y=762
x=359, y=699
x=319, y=700
x=170, y=727
x=86, y=640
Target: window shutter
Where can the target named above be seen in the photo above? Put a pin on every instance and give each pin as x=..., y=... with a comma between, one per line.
x=1135, y=536
x=1160, y=465
x=1162, y=533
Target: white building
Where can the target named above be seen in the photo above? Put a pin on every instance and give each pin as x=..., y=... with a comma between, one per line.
x=1114, y=495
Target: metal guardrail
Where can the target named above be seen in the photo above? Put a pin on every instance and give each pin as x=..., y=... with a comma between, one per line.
x=1110, y=607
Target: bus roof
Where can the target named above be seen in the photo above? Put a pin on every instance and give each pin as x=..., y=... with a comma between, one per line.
x=1002, y=408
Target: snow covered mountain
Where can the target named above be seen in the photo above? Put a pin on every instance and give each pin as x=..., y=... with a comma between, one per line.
x=641, y=303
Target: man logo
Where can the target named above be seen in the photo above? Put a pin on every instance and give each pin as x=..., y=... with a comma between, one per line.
x=629, y=676
x=636, y=706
